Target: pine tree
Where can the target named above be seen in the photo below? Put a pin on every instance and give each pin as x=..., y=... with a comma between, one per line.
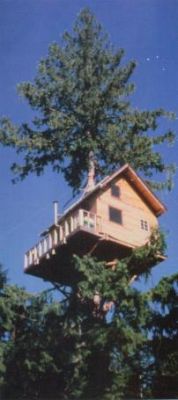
x=78, y=348
x=81, y=97
x=164, y=343
x=96, y=346
x=106, y=325
x=32, y=346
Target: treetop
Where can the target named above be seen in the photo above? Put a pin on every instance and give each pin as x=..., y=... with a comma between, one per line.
x=81, y=98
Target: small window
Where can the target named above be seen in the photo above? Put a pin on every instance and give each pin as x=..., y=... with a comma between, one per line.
x=115, y=191
x=115, y=215
x=144, y=225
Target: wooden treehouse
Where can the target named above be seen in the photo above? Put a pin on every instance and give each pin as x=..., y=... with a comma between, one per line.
x=111, y=218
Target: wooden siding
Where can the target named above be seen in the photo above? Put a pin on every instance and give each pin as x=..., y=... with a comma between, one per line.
x=86, y=228
x=133, y=209
x=90, y=204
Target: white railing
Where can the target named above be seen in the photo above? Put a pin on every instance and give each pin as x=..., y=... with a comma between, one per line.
x=59, y=234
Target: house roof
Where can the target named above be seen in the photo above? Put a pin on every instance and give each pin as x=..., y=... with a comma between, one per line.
x=136, y=182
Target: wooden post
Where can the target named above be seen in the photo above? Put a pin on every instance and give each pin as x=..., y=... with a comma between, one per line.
x=26, y=263
x=35, y=254
x=30, y=257
x=132, y=279
x=66, y=228
x=55, y=237
x=112, y=264
x=95, y=222
x=60, y=233
x=50, y=242
x=45, y=246
x=71, y=223
x=80, y=217
x=55, y=203
x=40, y=249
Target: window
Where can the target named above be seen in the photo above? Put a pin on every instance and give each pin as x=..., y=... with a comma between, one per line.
x=115, y=215
x=144, y=225
x=115, y=191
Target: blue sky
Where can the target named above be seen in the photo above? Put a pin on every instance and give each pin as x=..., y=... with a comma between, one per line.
x=148, y=31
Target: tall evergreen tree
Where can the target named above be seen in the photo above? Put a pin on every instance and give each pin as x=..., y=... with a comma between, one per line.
x=164, y=343
x=79, y=348
x=81, y=96
x=32, y=351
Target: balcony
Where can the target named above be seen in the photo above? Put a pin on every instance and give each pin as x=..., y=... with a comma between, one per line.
x=58, y=235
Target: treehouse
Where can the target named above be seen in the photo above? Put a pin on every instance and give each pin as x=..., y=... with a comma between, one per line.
x=112, y=218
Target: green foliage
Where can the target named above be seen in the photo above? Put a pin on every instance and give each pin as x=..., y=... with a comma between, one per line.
x=164, y=325
x=109, y=347
x=31, y=348
x=102, y=340
x=3, y=278
x=143, y=258
x=80, y=97
x=105, y=340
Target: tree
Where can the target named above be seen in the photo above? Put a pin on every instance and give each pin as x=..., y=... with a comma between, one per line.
x=94, y=345
x=77, y=348
x=31, y=346
x=164, y=343
x=33, y=356
x=81, y=93
x=108, y=344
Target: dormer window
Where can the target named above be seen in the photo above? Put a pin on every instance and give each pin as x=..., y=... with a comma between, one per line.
x=144, y=225
x=115, y=190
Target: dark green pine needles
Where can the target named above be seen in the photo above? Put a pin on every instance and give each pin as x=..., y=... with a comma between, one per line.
x=80, y=97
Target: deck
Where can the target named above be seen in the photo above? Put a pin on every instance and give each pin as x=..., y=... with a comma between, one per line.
x=80, y=232
x=59, y=234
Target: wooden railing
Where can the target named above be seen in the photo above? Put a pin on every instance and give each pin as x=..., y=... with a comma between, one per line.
x=58, y=235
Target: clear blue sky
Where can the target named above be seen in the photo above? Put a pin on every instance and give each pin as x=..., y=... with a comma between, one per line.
x=148, y=31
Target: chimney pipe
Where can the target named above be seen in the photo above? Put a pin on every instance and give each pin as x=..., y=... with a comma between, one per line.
x=55, y=205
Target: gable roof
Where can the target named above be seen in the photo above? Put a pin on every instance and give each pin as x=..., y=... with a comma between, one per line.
x=135, y=181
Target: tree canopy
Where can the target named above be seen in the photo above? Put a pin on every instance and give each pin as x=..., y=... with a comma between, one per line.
x=81, y=101
x=164, y=326
x=120, y=346
x=104, y=339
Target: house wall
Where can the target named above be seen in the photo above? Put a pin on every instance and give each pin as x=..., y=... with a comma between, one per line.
x=90, y=204
x=133, y=210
